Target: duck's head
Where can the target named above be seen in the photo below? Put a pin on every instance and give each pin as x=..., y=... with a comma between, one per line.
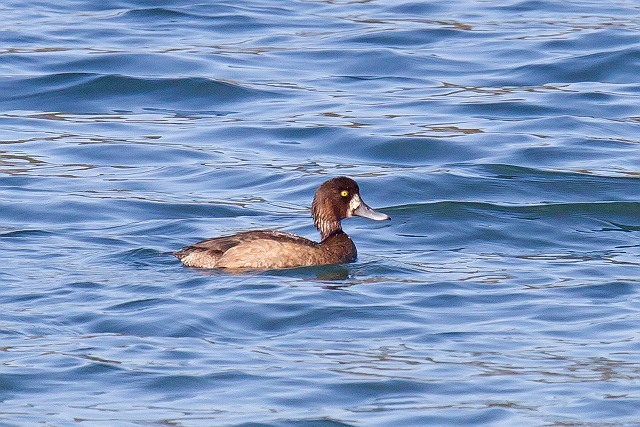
x=336, y=199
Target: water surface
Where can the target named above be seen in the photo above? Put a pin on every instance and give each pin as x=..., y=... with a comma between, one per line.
x=501, y=138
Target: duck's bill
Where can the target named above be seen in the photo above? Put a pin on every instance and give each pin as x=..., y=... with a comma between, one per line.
x=366, y=212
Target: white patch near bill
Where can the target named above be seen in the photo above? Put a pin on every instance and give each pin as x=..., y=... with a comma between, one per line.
x=354, y=204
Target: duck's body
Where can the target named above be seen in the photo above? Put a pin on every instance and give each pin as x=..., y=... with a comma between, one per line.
x=334, y=200
x=267, y=249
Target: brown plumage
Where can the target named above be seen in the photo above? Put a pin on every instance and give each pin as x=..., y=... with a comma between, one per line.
x=335, y=199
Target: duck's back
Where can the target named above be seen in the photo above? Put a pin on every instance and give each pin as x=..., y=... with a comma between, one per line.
x=267, y=249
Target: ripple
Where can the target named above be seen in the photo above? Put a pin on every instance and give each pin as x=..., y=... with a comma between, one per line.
x=87, y=92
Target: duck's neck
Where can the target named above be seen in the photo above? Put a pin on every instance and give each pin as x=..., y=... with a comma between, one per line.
x=327, y=227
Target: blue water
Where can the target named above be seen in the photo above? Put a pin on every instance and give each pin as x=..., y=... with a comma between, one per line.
x=503, y=138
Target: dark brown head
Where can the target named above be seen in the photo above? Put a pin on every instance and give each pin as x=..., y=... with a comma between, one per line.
x=336, y=199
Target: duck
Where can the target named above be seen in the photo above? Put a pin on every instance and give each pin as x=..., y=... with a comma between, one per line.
x=334, y=200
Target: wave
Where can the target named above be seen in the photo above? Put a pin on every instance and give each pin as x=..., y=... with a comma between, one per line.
x=87, y=92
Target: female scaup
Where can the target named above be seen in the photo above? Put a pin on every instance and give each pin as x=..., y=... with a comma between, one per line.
x=335, y=199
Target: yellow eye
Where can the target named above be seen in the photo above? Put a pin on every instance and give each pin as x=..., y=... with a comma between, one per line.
x=344, y=193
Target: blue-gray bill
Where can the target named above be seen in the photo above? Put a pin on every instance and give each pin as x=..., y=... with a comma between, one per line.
x=366, y=212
